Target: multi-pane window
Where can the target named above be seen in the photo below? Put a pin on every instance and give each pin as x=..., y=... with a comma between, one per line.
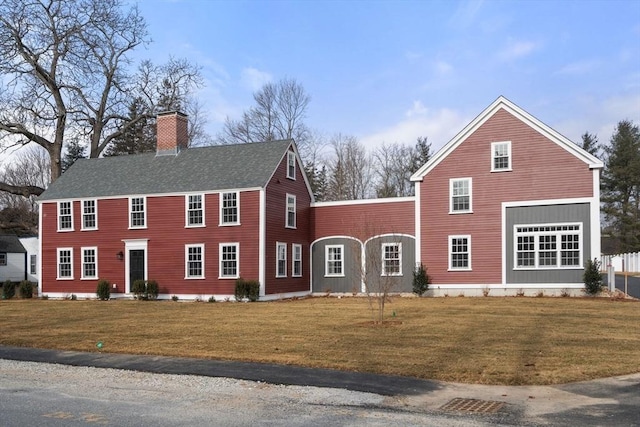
x=281, y=261
x=89, y=215
x=291, y=211
x=33, y=266
x=65, y=263
x=459, y=253
x=3, y=258
x=334, y=260
x=137, y=212
x=229, y=260
x=460, y=195
x=391, y=259
x=194, y=268
x=229, y=208
x=296, y=268
x=500, y=156
x=291, y=165
x=195, y=210
x=548, y=246
x=89, y=263
x=65, y=216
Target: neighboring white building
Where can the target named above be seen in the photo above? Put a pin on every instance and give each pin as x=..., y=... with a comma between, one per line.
x=13, y=259
x=31, y=246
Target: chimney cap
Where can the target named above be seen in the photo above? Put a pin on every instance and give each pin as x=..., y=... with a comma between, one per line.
x=170, y=112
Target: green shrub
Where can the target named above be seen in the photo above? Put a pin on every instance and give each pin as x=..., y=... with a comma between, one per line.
x=152, y=290
x=8, y=289
x=247, y=289
x=26, y=289
x=421, y=280
x=175, y=298
x=138, y=288
x=212, y=299
x=145, y=290
x=103, y=290
x=592, y=278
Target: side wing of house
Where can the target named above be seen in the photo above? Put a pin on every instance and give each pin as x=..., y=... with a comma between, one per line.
x=286, y=227
x=508, y=203
x=13, y=259
x=363, y=242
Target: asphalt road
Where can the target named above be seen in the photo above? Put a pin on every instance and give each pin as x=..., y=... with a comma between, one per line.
x=633, y=285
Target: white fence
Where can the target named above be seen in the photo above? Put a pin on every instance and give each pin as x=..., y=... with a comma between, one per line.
x=622, y=262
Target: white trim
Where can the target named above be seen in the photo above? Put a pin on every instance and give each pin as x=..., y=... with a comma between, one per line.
x=58, y=250
x=188, y=246
x=262, y=232
x=595, y=217
x=293, y=260
x=383, y=273
x=449, y=251
x=295, y=211
x=59, y=229
x=509, y=168
x=524, y=203
x=221, y=222
x=82, y=263
x=40, y=238
x=82, y=214
x=363, y=201
x=291, y=155
x=292, y=146
x=220, y=269
x=134, y=245
x=504, y=104
x=326, y=261
x=417, y=232
x=144, y=201
x=286, y=295
x=278, y=246
x=337, y=237
x=186, y=210
x=477, y=286
x=558, y=243
x=470, y=195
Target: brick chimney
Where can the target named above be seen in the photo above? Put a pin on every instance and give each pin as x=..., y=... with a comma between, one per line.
x=172, y=132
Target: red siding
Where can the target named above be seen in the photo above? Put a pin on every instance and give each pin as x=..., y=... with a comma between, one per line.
x=364, y=220
x=166, y=234
x=541, y=170
x=276, y=193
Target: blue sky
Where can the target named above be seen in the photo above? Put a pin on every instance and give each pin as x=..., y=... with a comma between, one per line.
x=390, y=71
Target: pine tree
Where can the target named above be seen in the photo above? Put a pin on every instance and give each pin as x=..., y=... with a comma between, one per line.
x=74, y=151
x=590, y=144
x=139, y=138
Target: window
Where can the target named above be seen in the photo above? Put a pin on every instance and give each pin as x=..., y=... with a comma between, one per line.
x=229, y=260
x=89, y=215
x=65, y=216
x=33, y=266
x=334, y=261
x=3, y=258
x=291, y=211
x=296, y=267
x=65, y=263
x=194, y=266
x=281, y=259
x=195, y=210
x=500, y=156
x=459, y=252
x=460, y=195
x=392, y=259
x=89, y=263
x=291, y=165
x=137, y=212
x=229, y=209
x=547, y=246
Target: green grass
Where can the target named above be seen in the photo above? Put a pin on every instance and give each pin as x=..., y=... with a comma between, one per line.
x=471, y=340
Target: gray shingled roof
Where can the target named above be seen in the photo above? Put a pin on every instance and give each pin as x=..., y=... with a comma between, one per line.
x=11, y=244
x=195, y=169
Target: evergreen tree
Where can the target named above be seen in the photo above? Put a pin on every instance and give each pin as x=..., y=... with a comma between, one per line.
x=317, y=180
x=422, y=153
x=621, y=186
x=590, y=144
x=136, y=138
x=74, y=151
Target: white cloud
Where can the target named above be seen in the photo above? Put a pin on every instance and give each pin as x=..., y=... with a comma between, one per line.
x=466, y=13
x=581, y=67
x=442, y=67
x=439, y=126
x=517, y=49
x=253, y=79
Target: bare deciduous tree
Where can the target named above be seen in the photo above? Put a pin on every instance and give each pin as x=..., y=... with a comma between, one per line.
x=350, y=170
x=393, y=165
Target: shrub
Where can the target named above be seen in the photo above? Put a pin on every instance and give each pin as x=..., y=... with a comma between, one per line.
x=8, y=289
x=152, y=290
x=247, y=289
x=212, y=299
x=592, y=278
x=74, y=297
x=26, y=289
x=421, y=280
x=175, y=298
x=138, y=288
x=145, y=290
x=103, y=291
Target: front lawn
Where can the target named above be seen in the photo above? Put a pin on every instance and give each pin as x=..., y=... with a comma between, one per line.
x=472, y=340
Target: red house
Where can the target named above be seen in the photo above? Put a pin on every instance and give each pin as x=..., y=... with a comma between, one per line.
x=508, y=205
x=193, y=219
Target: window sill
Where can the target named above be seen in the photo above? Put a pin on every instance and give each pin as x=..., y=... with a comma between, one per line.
x=460, y=212
x=501, y=170
x=334, y=275
x=89, y=229
x=290, y=227
x=227, y=277
x=392, y=275
x=548, y=268
x=291, y=178
x=195, y=226
x=65, y=230
x=297, y=275
x=89, y=278
x=64, y=278
x=138, y=228
x=194, y=277
x=459, y=269
x=228, y=224
x=281, y=277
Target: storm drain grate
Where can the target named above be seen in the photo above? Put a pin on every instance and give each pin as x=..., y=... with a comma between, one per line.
x=473, y=405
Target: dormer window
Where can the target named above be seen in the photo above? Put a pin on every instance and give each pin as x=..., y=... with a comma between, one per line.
x=500, y=156
x=291, y=165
